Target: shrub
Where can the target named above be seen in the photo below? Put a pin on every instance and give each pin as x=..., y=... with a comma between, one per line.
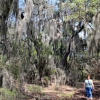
x=6, y=94
x=68, y=95
x=35, y=88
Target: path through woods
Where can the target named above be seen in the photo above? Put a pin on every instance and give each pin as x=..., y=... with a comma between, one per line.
x=80, y=93
x=63, y=93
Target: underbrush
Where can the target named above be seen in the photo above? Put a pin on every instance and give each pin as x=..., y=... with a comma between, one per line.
x=67, y=96
x=6, y=94
x=34, y=89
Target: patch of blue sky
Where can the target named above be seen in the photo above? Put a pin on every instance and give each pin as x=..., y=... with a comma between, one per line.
x=81, y=35
x=84, y=36
x=21, y=4
x=52, y=2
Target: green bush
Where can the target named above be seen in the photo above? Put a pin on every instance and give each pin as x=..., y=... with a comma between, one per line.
x=36, y=89
x=14, y=69
x=46, y=78
x=6, y=94
x=53, y=71
x=30, y=88
x=68, y=95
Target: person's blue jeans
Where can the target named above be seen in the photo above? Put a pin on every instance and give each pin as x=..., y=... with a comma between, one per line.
x=89, y=92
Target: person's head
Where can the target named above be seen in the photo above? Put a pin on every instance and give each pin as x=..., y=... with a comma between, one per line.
x=88, y=76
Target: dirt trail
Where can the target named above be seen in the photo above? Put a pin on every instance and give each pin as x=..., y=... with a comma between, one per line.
x=80, y=93
x=65, y=93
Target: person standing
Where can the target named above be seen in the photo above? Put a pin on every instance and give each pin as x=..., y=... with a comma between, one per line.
x=89, y=86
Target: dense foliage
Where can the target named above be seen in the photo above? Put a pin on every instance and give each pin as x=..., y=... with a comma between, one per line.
x=44, y=42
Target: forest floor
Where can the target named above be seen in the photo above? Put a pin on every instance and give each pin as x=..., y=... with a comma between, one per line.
x=63, y=92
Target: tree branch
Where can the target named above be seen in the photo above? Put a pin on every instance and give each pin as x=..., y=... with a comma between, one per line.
x=75, y=33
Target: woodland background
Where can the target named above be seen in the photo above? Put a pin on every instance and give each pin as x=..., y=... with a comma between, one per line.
x=44, y=42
